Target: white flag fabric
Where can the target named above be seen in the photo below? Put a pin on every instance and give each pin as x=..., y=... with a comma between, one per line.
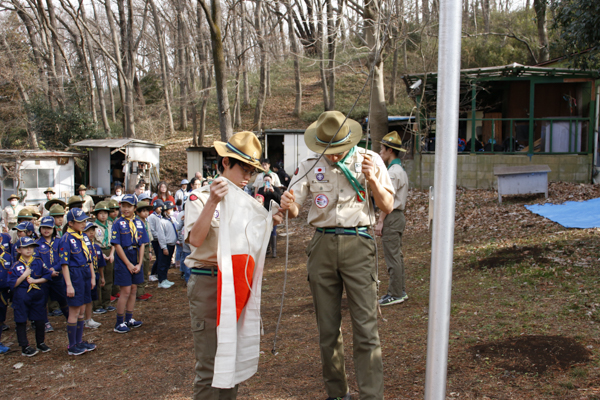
x=244, y=231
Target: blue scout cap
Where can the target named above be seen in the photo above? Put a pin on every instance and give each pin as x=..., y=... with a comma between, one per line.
x=158, y=203
x=24, y=226
x=168, y=205
x=26, y=242
x=90, y=225
x=143, y=196
x=48, y=222
x=129, y=198
x=77, y=215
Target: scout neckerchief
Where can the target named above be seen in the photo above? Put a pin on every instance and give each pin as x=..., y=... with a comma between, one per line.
x=79, y=236
x=132, y=229
x=150, y=237
x=351, y=178
x=27, y=264
x=2, y=253
x=51, y=245
x=395, y=161
x=95, y=260
x=104, y=243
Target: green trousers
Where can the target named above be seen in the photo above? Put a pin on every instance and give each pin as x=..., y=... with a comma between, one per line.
x=141, y=288
x=393, y=229
x=202, y=295
x=109, y=278
x=334, y=263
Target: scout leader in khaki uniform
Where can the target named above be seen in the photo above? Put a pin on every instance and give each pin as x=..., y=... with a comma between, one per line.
x=237, y=162
x=341, y=254
x=10, y=212
x=391, y=226
x=88, y=202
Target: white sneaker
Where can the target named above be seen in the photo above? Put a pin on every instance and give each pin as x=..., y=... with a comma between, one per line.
x=90, y=323
x=163, y=285
x=153, y=278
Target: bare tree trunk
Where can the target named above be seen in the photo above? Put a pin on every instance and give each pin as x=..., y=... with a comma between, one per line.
x=246, y=86
x=163, y=64
x=378, y=119
x=485, y=8
x=294, y=49
x=321, y=53
x=540, y=16
x=262, y=90
x=181, y=67
x=214, y=21
x=331, y=49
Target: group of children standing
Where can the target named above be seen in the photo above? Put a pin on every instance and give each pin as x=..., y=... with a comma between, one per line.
x=75, y=266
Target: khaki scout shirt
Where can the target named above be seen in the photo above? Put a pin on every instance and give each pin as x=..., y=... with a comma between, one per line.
x=400, y=182
x=205, y=255
x=10, y=213
x=88, y=203
x=334, y=201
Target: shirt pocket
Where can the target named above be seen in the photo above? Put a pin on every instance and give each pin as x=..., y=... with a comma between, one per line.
x=321, y=187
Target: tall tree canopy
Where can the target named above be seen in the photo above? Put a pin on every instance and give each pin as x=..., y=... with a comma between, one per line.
x=578, y=22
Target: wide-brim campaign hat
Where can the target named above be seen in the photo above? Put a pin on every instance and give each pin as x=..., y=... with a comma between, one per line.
x=392, y=140
x=101, y=206
x=52, y=202
x=13, y=196
x=26, y=241
x=112, y=204
x=74, y=200
x=330, y=127
x=81, y=187
x=25, y=214
x=57, y=210
x=77, y=215
x=144, y=205
x=49, y=190
x=243, y=146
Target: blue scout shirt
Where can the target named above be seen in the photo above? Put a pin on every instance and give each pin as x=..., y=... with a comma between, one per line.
x=71, y=253
x=5, y=242
x=5, y=264
x=121, y=233
x=48, y=252
x=98, y=258
x=38, y=270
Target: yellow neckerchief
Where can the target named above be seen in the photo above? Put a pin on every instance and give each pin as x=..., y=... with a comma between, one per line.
x=132, y=229
x=2, y=253
x=79, y=236
x=27, y=264
x=105, y=243
x=51, y=244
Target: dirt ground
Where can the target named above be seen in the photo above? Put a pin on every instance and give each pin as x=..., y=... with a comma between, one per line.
x=524, y=320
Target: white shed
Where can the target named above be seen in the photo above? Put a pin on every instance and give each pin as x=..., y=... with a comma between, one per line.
x=30, y=172
x=121, y=160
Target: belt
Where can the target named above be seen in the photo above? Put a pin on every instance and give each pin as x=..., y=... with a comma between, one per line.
x=130, y=247
x=357, y=231
x=211, y=271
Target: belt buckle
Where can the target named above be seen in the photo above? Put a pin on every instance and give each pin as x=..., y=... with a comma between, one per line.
x=339, y=231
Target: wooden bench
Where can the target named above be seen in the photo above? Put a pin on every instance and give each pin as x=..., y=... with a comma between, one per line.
x=522, y=180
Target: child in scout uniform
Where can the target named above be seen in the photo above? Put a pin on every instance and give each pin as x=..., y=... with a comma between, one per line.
x=5, y=294
x=167, y=239
x=341, y=254
x=26, y=277
x=391, y=226
x=47, y=250
x=75, y=202
x=129, y=238
x=23, y=229
x=155, y=225
x=10, y=212
x=113, y=214
x=142, y=210
x=103, y=232
x=57, y=211
x=237, y=162
x=98, y=263
x=76, y=260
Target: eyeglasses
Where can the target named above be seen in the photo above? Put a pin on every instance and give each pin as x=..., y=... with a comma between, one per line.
x=248, y=170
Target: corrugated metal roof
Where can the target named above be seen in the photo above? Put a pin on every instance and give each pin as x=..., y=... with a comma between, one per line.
x=38, y=153
x=114, y=143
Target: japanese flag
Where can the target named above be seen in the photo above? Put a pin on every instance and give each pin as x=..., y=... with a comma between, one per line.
x=244, y=232
x=319, y=170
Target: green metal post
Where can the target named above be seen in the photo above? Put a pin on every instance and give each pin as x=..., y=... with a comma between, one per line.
x=531, y=109
x=473, y=112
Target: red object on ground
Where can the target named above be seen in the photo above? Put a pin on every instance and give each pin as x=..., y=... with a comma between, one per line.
x=144, y=297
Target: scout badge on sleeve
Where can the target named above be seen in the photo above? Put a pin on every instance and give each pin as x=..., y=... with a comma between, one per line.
x=241, y=258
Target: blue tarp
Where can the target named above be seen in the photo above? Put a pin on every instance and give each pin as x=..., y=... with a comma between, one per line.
x=572, y=214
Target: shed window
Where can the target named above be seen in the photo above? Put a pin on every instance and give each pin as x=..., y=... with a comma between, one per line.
x=37, y=178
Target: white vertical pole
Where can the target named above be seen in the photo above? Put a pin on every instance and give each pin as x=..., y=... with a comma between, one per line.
x=444, y=194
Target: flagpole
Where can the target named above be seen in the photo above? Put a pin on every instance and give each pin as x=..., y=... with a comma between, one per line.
x=445, y=197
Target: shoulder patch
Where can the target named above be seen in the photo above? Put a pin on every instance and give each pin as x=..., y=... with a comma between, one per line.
x=193, y=197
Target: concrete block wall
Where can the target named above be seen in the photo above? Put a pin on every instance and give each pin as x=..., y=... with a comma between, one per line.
x=476, y=171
